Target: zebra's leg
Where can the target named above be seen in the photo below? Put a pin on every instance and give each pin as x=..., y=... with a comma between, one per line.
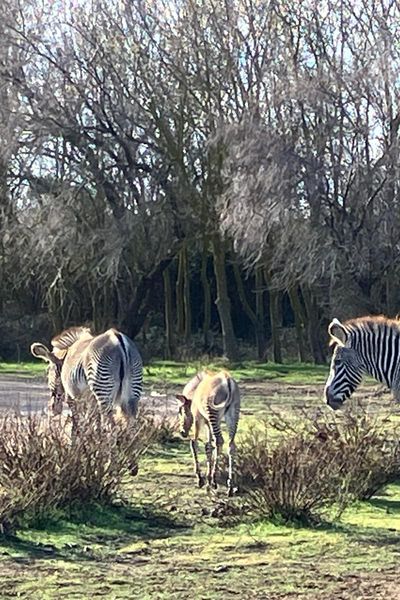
x=209, y=448
x=218, y=442
x=213, y=449
x=71, y=402
x=217, y=451
x=232, y=419
x=104, y=398
x=194, y=448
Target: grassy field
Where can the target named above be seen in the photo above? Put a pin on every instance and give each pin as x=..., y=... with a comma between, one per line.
x=172, y=372
x=164, y=538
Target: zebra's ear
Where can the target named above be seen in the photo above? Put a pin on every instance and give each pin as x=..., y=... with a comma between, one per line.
x=338, y=332
x=182, y=399
x=40, y=351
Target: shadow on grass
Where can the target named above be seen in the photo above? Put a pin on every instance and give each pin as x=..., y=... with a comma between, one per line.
x=109, y=527
x=391, y=506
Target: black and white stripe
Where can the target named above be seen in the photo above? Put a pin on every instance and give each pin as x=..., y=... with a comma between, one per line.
x=367, y=345
x=207, y=399
x=108, y=365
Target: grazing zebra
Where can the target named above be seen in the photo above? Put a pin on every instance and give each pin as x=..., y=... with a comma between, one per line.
x=364, y=345
x=109, y=365
x=206, y=399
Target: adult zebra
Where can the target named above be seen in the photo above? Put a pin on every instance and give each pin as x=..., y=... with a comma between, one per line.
x=109, y=365
x=364, y=345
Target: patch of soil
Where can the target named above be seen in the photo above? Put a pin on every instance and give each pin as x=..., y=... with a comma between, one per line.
x=379, y=585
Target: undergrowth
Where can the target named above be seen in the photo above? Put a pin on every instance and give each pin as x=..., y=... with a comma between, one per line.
x=297, y=469
x=42, y=469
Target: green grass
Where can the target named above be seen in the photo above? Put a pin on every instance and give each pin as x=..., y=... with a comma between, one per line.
x=171, y=372
x=179, y=373
x=162, y=541
x=23, y=369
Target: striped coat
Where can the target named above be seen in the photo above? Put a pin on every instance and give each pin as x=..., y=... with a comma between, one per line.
x=108, y=365
x=368, y=345
x=207, y=399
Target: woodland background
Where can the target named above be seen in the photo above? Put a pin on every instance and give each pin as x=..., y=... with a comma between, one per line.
x=213, y=177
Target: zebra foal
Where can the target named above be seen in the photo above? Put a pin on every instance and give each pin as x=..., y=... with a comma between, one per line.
x=206, y=400
x=364, y=345
x=108, y=365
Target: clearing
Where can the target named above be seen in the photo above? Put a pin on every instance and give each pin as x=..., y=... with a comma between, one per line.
x=164, y=540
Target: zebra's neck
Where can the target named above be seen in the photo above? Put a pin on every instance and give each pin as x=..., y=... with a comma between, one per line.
x=379, y=348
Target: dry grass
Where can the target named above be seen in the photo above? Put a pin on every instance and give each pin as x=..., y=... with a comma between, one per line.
x=41, y=469
x=316, y=463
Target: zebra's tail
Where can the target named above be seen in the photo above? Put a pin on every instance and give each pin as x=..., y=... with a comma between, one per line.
x=130, y=375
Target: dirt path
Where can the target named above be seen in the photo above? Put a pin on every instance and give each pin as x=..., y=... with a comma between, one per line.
x=24, y=394
x=31, y=395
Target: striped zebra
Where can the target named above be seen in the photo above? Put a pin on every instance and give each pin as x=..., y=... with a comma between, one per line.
x=364, y=345
x=206, y=399
x=108, y=365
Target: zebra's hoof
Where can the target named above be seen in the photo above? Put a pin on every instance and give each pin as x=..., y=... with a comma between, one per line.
x=232, y=491
x=201, y=482
x=134, y=470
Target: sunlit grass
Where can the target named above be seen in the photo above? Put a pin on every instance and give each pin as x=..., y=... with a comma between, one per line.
x=171, y=372
x=23, y=369
x=161, y=539
x=166, y=533
x=179, y=373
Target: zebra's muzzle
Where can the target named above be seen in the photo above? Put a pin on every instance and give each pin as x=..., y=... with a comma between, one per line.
x=333, y=402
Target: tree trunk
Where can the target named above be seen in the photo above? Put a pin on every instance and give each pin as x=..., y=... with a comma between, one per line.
x=249, y=311
x=186, y=296
x=135, y=315
x=207, y=295
x=391, y=308
x=276, y=323
x=180, y=310
x=168, y=315
x=260, y=332
x=313, y=326
x=299, y=321
x=275, y=315
x=223, y=303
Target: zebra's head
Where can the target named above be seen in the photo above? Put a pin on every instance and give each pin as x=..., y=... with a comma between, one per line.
x=347, y=367
x=57, y=394
x=185, y=414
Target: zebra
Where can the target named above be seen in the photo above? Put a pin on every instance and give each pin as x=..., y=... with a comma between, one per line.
x=108, y=365
x=206, y=399
x=364, y=345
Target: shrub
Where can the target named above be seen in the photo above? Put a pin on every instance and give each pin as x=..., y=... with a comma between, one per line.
x=316, y=463
x=368, y=448
x=167, y=429
x=41, y=470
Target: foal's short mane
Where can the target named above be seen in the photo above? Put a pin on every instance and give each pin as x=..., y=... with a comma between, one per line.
x=66, y=338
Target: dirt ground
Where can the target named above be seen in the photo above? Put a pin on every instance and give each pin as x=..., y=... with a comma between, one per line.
x=31, y=395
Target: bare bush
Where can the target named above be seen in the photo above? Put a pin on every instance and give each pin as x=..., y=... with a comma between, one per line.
x=368, y=448
x=41, y=470
x=316, y=464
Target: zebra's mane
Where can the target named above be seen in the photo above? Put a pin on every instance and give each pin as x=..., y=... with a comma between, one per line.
x=373, y=324
x=66, y=338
